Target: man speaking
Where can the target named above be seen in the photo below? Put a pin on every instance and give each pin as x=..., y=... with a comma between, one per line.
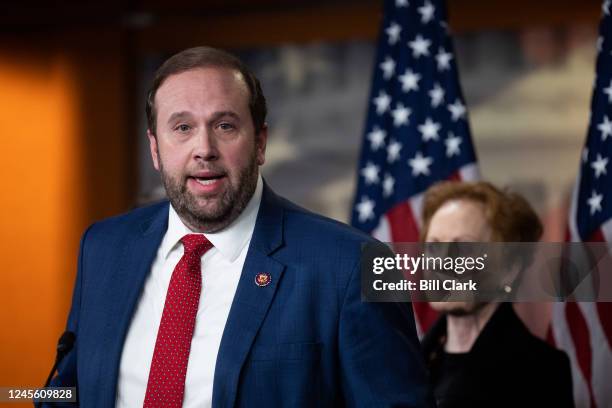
x=228, y=295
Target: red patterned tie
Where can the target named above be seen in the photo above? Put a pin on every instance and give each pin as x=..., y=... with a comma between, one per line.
x=166, y=385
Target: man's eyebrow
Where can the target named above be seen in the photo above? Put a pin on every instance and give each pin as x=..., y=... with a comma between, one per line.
x=220, y=114
x=178, y=115
x=216, y=116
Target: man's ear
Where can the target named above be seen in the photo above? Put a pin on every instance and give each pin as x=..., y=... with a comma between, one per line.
x=261, y=138
x=154, y=149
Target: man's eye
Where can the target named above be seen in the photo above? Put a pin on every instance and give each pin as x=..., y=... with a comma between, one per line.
x=226, y=126
x=183, y=128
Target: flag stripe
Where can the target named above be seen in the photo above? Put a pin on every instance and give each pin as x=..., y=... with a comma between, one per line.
x=456, y=176
x=580, y=337
x=597, y=236
x=606, y=229
x=604, y=314
x=469, y=172
x=416, y=205
x=563, y=340
x=403, y=225
x=383, y=231
x=601, y=358
x=573, y=219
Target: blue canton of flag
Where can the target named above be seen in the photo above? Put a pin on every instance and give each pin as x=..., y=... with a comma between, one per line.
x=592, y=216
x=417, y=129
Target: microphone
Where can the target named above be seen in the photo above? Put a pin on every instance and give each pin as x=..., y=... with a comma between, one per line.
x=64, y=345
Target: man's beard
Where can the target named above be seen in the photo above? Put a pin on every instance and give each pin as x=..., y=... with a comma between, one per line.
x=229, y=205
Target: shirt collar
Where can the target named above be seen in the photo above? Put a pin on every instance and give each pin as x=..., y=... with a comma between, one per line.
x=230, y=241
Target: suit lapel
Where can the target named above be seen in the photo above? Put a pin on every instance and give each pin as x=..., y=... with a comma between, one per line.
x=127, y=283
x=251, y=302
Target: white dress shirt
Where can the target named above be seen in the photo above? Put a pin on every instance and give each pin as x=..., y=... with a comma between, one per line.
x=221, y=269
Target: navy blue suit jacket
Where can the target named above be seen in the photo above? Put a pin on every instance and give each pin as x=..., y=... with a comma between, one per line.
x=306, y=339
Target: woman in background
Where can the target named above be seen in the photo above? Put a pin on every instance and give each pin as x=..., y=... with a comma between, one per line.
x=481, y=354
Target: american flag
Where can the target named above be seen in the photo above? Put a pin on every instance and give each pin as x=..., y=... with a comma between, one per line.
x=584, y=330
x=417, y=130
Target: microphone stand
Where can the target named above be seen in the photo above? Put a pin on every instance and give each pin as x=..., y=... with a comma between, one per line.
x=64, y=345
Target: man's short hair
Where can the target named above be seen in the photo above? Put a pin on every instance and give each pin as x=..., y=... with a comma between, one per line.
x=509, y=215
x=205, y=57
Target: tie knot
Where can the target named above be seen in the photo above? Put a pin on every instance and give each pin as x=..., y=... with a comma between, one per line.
x=196, y=243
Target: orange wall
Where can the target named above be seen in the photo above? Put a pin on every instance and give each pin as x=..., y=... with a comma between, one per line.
x=41, y=212
x=66, y=160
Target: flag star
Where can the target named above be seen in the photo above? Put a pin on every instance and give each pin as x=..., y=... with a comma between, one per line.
x=608, y=91
x=585, y=154
x=605, y=128
x=599, y=165
x=410, y=80
x=377, y=138
x=427, y=12
x=595, y=202
x=457, y=109
x=370, y=173
x=400, y=115
x=452, y=145
x=437, y=95
x=365, y=208
x=606, y=7
x=429, y=130
x=388, y=67
x=393, y=31
x=382, y=102
x=388, y=184
x=420, y=164
x=420, y=46
x=443, y=58
x=401, y=3
x=393, y=151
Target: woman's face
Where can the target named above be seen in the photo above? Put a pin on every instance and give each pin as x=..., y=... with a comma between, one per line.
x=460, y=220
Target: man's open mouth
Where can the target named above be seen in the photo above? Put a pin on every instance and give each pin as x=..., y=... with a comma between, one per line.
x=208, y=179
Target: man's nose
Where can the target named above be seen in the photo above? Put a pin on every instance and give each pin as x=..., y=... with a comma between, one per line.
x=205, y=146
